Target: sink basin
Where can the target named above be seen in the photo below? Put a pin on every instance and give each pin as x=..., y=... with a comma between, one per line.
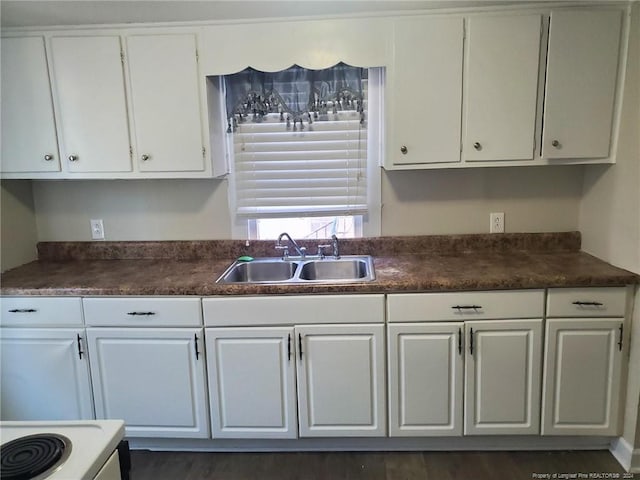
x=308, y=270
x=341, y=269
x=259, y=271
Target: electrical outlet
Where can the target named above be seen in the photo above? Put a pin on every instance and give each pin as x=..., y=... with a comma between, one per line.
x=97, y=229
x=496, y=222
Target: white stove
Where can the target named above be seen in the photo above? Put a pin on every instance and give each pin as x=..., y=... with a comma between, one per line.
x=85, y=450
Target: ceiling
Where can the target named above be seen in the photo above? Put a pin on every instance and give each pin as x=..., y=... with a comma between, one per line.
x=24, y=13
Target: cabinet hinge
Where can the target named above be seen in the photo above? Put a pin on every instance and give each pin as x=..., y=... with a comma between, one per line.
x=204, y=152
x=197, y=56
x=122, y=56
x=130, y=151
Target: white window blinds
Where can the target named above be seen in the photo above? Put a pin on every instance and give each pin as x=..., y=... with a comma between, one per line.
x=286, y=168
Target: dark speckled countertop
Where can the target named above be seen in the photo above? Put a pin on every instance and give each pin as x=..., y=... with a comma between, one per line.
x=402, y=264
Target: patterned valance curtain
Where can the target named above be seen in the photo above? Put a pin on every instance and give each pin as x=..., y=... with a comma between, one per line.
x=296, y=93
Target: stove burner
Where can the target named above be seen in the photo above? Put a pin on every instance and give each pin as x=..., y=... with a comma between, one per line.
x=28, y=457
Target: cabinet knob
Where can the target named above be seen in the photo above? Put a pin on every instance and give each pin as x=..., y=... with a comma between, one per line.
x=477, y=146
x=48, y=157
x=73, y=158
x=145, y=157
x=404, y=149
x=555, y=143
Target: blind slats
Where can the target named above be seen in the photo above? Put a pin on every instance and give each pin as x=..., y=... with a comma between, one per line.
x=296, y=187
x=297, y=159
x=321, y=169
x=301, y=175
x=304, y=147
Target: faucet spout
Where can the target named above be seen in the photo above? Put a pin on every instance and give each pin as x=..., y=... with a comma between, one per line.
x=336, y=247
x=302, y=251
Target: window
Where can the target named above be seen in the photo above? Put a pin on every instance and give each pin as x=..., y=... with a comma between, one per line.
x=303, y=160
x=345, y=226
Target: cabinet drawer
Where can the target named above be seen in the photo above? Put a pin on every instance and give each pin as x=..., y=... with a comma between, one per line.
x=293, y=310
x=41, y=311
x=142, y=312
x=421, y=307
x=586, y=302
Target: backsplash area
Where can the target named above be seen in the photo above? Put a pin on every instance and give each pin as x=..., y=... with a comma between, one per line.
x=534, y=199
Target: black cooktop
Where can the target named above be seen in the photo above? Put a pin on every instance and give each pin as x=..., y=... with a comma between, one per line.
x=33, y=457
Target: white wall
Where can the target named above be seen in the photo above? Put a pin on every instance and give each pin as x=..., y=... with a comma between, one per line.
x=132, y=209
x=610, y=207
x=17, y=225
x=610, y=214
x=534, y=199
x=429, y=202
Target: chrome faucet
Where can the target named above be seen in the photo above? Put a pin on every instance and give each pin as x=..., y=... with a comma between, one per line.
x=302, y=251
x=336, y=247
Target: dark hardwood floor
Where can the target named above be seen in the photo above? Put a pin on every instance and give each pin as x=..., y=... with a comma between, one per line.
x=148, y=465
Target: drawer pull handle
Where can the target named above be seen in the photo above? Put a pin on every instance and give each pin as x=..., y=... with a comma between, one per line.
x=588, y=304
x=289, y=347
x=620, y=341
x=460, y=341
x=300, y=345
x=195, y=343
x=471, y=342
x=141, y=313
x=475, y=308
x=23, y=310
x=79, y=340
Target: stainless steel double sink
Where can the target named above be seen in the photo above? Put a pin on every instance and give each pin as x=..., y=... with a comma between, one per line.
x=345, y=269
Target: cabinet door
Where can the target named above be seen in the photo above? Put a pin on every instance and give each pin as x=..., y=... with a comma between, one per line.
x=582, y=68
x=341, y=390
x=252, y=382
x=165, y=96
x=90, y=93
x=152, y=378
x=502, y=377
x=425, y=379
x=425, y=90
x=501, y=87
x=29, y=141
x=582, y=376
x=44, y=375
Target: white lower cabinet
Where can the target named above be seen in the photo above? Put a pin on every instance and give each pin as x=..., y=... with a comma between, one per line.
x=340, y=381
x=582, y=376
x=44, y=368
x=425, y=378
x=44, y=374
x=502, y=377
x=495, y=337
x=584, y=350
x=341, y=386
x=296, y=379
x=252, y=382
x=152, y=378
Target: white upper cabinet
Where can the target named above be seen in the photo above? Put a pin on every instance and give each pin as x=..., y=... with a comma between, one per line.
x=29, y=142
x=89, y=83
x=582, y=67
x=501, y=87
x=165, y=98
x=424, y=92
